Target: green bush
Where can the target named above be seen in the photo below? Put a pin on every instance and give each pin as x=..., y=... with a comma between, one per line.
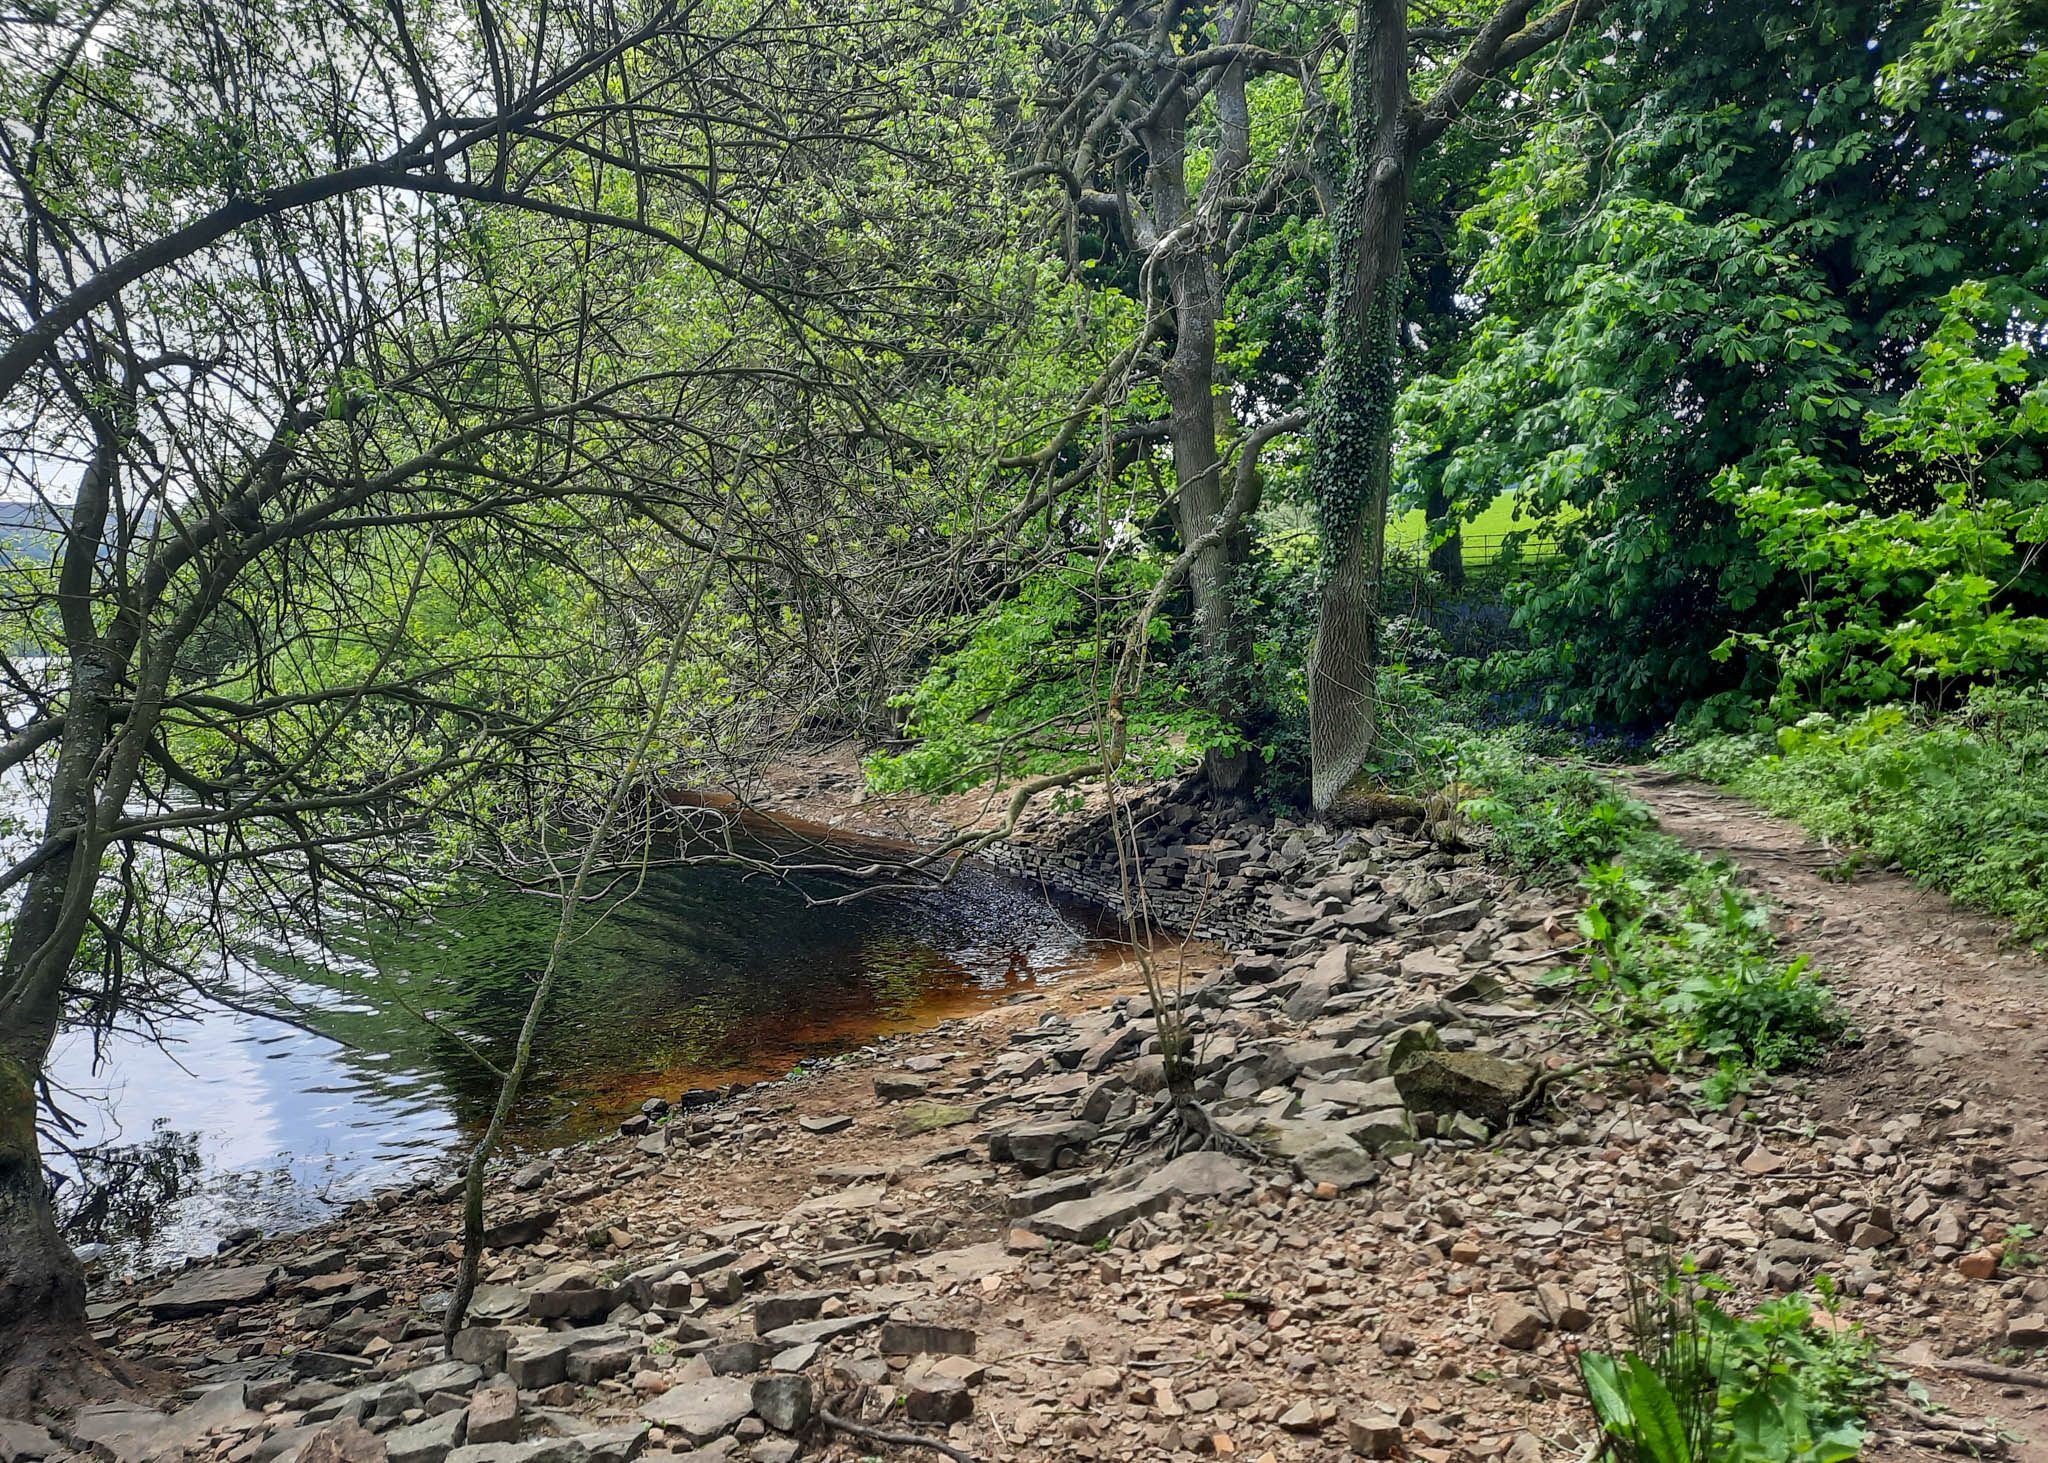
x=1705, y=1386
x=1025, y=690
x=1692, y=965
x=1547, y=816
x=1682, y=956
x=1958, y=801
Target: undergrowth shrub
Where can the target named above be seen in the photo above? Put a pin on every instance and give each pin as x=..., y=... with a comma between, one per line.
x=1702, y=1385
x=1546, y=817
x=1681, y=957
x=1959, y=801
x=1691, y=964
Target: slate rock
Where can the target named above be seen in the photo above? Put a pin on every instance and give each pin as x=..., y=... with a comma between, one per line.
x=1409, y=1043
x=326, y=1366
x=537, y=1362
x=206, y=1291
x=520, y=1229
x=737, y=1358
x=1038, y=1148
x=773, y=1312
x=484, y=1345
x=1516, y=1326
x=541, y=1450
x=316, y=1263
x=1055, y=1189
x=493, y=1416
x=1457, y=919
x=906, y=1338
x=430, y=1441
x=595, y=1363
x=2027, y=1331
x=703, y=1409
x=784, y=1402
x=444, y=1376
x=1337, y=1160
x=1191, y=1176
x=343, y=1442
x=934, y=1398
x=929, y=1117
x=900, y=1086
x=1373, y=1436
x=1482, y=1086
x=806, y=1332
x=24, y=1440
x=131, y=1433
x=1428, y=966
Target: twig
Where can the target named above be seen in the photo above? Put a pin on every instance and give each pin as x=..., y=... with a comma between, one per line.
x=1259, y=1303
x=1986, y=1371
x=907, y=1440
x=1548, y=1078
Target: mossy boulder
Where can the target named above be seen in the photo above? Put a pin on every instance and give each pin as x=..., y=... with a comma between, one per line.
x=925, y=1117
x=1488, y=1088
x=1411, y=1042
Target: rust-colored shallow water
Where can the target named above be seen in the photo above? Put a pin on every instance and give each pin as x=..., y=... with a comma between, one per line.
x=708, y=975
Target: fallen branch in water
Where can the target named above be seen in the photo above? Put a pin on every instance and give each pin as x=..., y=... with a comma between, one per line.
x=907, y=1440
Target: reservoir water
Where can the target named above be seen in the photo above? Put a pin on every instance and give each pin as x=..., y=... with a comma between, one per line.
x=316, y=1081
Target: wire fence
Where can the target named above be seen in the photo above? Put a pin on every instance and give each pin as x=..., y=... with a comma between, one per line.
x=1473, y=612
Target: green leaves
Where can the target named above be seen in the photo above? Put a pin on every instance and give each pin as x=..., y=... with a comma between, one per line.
x=1023, y=692
x=1635, y=1408
x=1894, y=602
x=1715, y=255
x=1777, y=1386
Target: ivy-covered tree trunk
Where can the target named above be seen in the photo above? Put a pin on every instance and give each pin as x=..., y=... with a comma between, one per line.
x=1351, y=432
x=1351, y=429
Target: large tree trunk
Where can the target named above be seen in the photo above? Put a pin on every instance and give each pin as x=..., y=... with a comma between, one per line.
x=1352, y=432
x=45, y=1352
x=1446, y=559
x=42, y=1286
x=1190, y=382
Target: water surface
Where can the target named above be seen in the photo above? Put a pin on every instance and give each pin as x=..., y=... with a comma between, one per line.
x=705, y=975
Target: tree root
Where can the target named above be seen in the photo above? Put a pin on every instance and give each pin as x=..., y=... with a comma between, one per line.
x=1532, y=1100
x=1188, y=1128
x=48, y=1369
x=902, y=1440
x=1985, y=1371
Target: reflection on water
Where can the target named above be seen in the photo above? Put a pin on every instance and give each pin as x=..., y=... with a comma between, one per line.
x=706, y=975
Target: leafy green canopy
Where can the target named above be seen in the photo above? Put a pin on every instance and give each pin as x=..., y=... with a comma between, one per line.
x=1902, y=603
x=1722, y=245
x=1025, y=693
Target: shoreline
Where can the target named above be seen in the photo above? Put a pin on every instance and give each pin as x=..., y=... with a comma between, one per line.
x=934, y=1234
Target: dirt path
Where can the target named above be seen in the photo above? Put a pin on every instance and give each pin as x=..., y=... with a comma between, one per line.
x=1949, y=1013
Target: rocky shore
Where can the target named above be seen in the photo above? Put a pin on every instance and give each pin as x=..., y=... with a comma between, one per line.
x=938, y=1236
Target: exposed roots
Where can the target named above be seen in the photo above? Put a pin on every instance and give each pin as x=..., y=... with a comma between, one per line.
x=55, y=1368
x=1183, y=1125
x=900, y=1440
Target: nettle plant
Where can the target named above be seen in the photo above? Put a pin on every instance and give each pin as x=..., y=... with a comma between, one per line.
x=1909, y=604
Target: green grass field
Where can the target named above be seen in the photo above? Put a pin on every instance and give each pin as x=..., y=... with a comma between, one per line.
x=1482, y=534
